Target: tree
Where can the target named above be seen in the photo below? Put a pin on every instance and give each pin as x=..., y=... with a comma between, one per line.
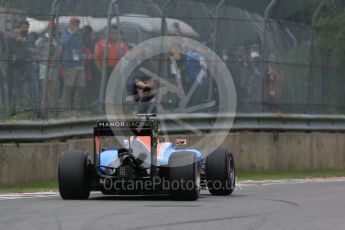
x=331, y=31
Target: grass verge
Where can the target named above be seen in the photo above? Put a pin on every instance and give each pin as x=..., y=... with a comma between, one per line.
x=241, y=175
x=276, y=175
x=38, y=187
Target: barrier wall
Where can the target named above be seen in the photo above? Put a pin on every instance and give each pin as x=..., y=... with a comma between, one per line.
x=38, y=162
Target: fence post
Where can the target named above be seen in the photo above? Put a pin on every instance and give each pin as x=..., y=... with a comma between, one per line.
x=105, y=57
x=214, y=44
x=119, y=34
x=267, y=15
x=220, y=4
x=162, y=68
x=311, y=54
x=164, y=23
x=52, y=36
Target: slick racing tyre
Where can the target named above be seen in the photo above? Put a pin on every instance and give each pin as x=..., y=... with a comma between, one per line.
x=73, y=175
x=220, y=172
x=184, y=176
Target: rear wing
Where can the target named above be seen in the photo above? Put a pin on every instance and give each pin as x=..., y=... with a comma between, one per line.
x=126, y=128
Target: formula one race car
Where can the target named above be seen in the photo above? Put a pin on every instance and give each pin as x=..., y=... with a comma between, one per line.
x=144, y=164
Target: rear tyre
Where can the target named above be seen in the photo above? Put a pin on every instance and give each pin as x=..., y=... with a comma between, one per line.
x=73, y=175
x=221, y=173
x=184, y=176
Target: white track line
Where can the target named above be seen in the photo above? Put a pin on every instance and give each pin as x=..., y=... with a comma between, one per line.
x=250, y=183
x=18, y=196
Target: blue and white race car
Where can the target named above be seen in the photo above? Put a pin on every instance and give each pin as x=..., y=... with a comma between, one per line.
x=143, y=164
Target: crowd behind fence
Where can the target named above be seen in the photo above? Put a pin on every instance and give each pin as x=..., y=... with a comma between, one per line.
x=53, y=65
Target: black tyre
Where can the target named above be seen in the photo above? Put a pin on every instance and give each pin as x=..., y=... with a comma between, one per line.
x=73, y=175
x=221, y=173
x=184, y=176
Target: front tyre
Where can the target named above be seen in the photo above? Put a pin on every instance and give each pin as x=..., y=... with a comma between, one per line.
x=73, y=175
x=221, y=173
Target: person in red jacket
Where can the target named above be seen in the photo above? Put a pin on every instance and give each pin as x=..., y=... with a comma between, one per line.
x=275, y=79
x=114, y=54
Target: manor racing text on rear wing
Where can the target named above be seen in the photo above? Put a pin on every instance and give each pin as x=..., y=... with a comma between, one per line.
x=126, y=128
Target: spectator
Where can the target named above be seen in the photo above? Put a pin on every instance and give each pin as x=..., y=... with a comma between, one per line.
x=71, y=50
x=24, y=29
x=239, y=69
x=229, y=62
x=178, y=67
x=178, y=70
x=47, y=65
x=255, y=83
x=225, y=56
x=35, y=36
x=92, y=83
x=31, y=67
x=211, y=37
x=177, y=29
x=240, y=64
x=144, y=84
x=114, y=54
x=19, y=77
x=197, y=72
x=255, y=51
x=274, y=80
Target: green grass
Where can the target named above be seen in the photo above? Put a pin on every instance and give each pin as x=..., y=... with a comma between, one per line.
x=241, y=175
x=276, y=175
x=39, y=187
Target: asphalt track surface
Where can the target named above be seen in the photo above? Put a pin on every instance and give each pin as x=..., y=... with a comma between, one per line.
x=288, y=205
